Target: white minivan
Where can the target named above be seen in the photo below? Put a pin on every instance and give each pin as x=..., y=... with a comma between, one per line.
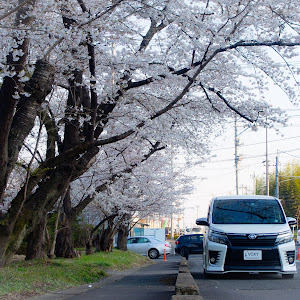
x=248, y=234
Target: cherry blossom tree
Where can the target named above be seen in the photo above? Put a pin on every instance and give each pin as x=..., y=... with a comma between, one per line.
x=78, y=76
x=148, y=190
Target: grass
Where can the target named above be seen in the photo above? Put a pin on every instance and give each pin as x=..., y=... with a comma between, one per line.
x=23, y=279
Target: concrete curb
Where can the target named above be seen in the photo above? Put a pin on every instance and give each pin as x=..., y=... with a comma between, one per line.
x=184, y=269
x=185, y=287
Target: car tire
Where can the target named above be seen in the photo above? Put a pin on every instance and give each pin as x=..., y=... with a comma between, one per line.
x=153, y=253
x=287, y=276
x=182, y=251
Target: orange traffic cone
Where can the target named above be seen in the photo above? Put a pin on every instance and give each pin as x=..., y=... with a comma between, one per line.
x=165, y=256
x=298, y=256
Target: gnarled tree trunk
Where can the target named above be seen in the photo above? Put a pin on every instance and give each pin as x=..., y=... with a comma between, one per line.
x=64, y=242
x=122, y=238
x=36, y=241
x=89, y=242
x=106, y=238
x=13, y=229
x=123, y=232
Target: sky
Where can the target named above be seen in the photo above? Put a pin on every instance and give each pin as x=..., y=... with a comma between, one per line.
x=219, y=172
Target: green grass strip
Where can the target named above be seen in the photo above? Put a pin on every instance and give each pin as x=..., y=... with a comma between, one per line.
x=29, y=278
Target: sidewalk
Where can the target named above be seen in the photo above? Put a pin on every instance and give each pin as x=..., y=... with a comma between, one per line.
x=155, y=281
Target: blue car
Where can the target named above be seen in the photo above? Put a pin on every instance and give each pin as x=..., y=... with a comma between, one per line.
x=193, y=243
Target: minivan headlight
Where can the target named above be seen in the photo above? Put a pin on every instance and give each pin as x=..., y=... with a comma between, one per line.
x=218, y=237
x=284, y=238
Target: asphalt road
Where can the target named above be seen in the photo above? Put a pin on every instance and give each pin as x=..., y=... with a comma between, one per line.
x=243, y=285
x=156, y=281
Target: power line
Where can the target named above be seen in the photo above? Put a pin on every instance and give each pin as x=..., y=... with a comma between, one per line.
x=290, y=154
x=253, y=144
x=249, y=157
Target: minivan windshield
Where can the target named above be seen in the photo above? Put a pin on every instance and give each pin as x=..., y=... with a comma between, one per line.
x=247, y=211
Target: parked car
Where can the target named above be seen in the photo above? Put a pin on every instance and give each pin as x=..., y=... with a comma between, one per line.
x=248, y=233
x=148, y=246
x=193, y=243
x=298, y=238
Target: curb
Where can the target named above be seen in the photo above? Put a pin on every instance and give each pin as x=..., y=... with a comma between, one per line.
x=185, y=287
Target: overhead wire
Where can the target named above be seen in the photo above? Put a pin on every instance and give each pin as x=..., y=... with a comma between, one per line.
x=253, y=144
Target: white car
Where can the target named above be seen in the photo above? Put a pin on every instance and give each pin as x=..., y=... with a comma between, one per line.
x=298, y=238
x=148, y=246
x=248, y=234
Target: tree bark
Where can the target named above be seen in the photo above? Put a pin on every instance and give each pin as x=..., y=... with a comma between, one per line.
x=12, y=87
x=13, y=229
x=36, y=241
x=89, y=242
x=64, y=245
x=64, y=242
x=106, y=239
x=123, y=232
x=53, y=244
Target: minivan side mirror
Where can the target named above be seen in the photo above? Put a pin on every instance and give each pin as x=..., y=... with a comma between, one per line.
x=291, y=221
x=202, y=221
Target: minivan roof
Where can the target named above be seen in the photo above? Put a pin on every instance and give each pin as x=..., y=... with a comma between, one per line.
x=252, y=197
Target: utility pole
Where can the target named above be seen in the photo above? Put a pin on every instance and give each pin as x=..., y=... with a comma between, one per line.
x=236, y=160
x=267, y=161
x=172, y=228
x=277, y=178
x=254, y=183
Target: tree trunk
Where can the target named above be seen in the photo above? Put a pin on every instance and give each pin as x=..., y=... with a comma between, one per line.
x=36, y=241
x=53, y=244
x=64, y=242
x=106, y=241
x=89, y=242
x=122, y=236
x=14, y=229
x=89, y=247
x=10, y=86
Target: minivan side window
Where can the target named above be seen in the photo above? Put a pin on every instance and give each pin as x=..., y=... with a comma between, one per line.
x=247, y=211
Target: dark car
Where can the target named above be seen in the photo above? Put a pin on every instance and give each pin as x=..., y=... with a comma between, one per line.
x=191, y=242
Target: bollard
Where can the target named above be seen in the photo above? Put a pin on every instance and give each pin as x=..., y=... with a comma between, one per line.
x=165, y=256
x=186, y=253
x=298, y=256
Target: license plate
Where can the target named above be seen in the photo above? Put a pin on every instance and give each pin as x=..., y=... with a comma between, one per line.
x=252, y=255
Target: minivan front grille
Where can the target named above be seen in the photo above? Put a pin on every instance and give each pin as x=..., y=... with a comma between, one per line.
x=235, y=260
x=244, y=241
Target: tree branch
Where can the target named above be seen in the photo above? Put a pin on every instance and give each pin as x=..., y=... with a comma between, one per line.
x=207, y=96
x=101, y=188
x=204, y=61
x=102, y=221
x=14, y=9
x=218, y=93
